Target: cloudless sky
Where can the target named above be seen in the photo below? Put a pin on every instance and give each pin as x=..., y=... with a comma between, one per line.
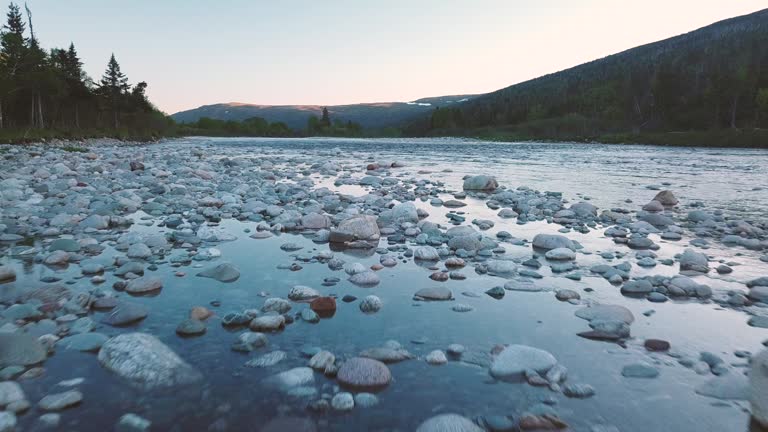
x=330, y=52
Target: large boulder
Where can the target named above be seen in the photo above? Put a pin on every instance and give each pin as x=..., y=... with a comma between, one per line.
x=146, y=362
x=359, y=227
x=666, y=198
x=480, y=183
x=20, y=349
x=552, y=241
x=401, y=213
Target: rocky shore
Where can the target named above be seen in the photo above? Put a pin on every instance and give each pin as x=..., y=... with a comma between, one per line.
x=92, y=235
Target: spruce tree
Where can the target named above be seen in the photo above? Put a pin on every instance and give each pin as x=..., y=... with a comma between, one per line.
x=114, y=86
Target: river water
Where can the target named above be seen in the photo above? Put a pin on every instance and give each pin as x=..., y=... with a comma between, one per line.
x=233, y=396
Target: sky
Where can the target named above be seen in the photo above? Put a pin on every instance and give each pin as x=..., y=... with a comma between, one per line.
x=330, y=52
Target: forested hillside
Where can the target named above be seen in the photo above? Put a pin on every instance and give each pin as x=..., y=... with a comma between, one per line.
x=712, y=78
x=47, y=93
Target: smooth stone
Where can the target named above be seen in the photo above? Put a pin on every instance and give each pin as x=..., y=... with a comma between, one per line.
x=267, y=360
x=267, y=323
x=639, y=370
x=730, y=386
x=361, y=372
x=20, y=349
x=143, y=285
x=758, y=390
x=606, y=313
x=145, y=362
x=223, y=272
x=343, y=401
x=125, y=314
x=60, y=401
x=514, y=360
x=86, y=342
x=433, y=294
x=448, y=423
x=370, y=304
x=132, y=423
x=190, y=327
x=552, y=241
x=436, y=357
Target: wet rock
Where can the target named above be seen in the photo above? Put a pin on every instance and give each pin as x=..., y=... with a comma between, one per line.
x=86, y=342
x=310, y=316
x=666, y=198
x=190, y=327
x=60, y=401
x=639, y=370
x=132, y=423
x=436, y=357
x=7, y=421
x=267, y=323
x=606, y=313
x=322, y=361
x=552, y=241
x=223, y=273
x=249, y=341
x=578, y=391
x=7, y=273
x=200, y=313
x=730, y=386
x=366, y=400
x=343, y=401
x=267, y=360
x=514, y=360
x=360, y=227
x=367, y=278
x=694, y=261
x=480, y=183
x=426, y=253
x=448, y=423
x=291, y=379
x=10, y=392
x=656, y=345
x=324, y=306
x=532, y=422
x=277, y=305
x=567, y=295
x=20, y=349
x=370, y=304
x=560, y=254
x=302, y=293
x=125, y=313
x=144, y=285
x=433, y=294
x=145, y=362
x=364, y=373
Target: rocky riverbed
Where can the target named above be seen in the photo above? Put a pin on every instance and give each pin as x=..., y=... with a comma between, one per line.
x=348, y=285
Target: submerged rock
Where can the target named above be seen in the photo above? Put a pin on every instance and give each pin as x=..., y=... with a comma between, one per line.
x=146, y=362
x=364, y=373
x=20, y=349
x=448, y=423
x=223, y=273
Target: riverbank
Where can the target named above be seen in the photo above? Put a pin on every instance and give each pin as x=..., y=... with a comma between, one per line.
x=355, y=278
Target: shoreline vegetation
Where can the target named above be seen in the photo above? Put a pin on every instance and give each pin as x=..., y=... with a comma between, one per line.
x=685, y=91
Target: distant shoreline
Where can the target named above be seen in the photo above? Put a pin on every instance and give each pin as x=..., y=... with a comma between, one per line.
x=757, y=138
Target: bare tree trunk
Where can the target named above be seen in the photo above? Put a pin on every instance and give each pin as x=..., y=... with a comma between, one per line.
x=733, y=111
x=40, y=111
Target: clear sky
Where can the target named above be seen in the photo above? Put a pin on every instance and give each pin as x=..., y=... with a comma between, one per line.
x=329, y=52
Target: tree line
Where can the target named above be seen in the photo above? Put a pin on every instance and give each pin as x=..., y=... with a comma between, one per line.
x=49, y=90
x=715, y=78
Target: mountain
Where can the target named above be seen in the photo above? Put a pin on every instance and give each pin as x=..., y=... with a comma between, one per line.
x=715, y=77
x=368, y=115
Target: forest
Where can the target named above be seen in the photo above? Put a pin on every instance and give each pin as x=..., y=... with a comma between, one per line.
x=47, y=93
x=711, y=79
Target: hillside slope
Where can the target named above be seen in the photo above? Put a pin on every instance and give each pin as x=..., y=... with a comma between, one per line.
x=369, y=115
x=712, y=78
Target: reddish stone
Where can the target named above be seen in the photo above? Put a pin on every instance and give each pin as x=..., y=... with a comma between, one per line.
x=377, y=267
x=542, y=422
x=656, y=345
x=324, y=306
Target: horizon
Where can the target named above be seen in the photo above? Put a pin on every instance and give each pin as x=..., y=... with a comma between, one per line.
x=406, y=67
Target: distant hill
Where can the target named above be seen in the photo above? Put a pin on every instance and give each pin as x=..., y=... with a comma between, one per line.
x=368, y=115
x=712, y=78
